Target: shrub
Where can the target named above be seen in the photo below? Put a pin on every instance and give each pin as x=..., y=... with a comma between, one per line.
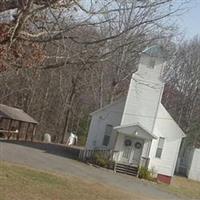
x=144, y=173
x=100, y=160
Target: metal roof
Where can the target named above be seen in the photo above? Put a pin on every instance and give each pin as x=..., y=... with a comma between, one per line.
x=15, y=114
x=155, y=51
x=109, y=105
x=123, y=129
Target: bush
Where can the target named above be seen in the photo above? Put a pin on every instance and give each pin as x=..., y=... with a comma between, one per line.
x=100, y=160
x=144, y=173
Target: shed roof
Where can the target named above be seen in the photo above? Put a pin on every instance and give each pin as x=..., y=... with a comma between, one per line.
x=15, y=114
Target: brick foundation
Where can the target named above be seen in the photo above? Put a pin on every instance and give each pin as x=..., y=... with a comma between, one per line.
x=164, y=179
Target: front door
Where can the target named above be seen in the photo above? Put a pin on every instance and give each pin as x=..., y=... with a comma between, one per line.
x=127, y=149
x=132, y=150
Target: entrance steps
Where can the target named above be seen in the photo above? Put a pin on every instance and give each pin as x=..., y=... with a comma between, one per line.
x=126, y=169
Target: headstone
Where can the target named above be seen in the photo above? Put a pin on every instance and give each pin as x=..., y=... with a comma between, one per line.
x=47, y=138
x=72, y=140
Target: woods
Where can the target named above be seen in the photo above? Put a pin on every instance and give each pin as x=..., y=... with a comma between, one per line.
x=62, y=59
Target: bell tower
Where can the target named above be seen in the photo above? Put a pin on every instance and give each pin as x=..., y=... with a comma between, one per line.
x=151, y=64
x=145, y=90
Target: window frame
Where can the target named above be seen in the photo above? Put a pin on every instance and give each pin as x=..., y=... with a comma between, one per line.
x=106, y=140
x=107, y=135
x=160, y=146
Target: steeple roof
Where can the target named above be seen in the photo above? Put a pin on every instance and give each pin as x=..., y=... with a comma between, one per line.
x=154, y=51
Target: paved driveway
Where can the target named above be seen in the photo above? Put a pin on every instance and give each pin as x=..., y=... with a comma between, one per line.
x=54, y=158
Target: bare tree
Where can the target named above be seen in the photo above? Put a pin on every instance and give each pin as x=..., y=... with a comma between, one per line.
x=184, y=77
x=79, y=56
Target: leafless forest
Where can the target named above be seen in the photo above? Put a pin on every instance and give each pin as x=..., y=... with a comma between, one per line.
x=62, y=59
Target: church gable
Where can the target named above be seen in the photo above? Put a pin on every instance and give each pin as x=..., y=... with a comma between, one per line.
x=166, y=125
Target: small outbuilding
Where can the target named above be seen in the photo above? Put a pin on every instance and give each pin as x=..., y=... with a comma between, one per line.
x=188, y=163
x=194, y=167
x=15, y=123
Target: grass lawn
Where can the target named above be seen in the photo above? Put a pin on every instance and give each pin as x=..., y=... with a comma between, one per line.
x=184, y=187
x=22, y=183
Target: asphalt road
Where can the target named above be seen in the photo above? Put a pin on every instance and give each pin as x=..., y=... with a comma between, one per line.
x=51, y=157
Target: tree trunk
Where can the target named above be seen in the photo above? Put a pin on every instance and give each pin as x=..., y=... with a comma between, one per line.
x=66, y=125
x=101, y=89
x=68, y=114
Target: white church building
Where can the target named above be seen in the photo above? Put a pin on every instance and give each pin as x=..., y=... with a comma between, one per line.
x=138, y=128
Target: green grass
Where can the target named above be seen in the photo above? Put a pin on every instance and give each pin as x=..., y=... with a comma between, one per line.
x=184, y=187
x=22, y=183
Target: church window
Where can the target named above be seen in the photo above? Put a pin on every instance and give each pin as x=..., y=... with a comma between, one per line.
x=108, y=131
x=151, y=63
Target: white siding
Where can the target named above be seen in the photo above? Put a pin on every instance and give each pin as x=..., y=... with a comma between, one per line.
x=167, y=128
x=166, y=164
x=142, y=102
x=145, y=71
x=194, y=171
x=110, y=115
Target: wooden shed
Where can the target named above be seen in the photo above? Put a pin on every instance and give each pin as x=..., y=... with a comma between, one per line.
x=15, y=123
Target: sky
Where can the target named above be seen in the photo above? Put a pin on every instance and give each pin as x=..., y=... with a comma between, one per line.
x=190, y=20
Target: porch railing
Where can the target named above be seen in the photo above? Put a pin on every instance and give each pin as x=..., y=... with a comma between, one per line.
x=111, y=155
x=89, y=154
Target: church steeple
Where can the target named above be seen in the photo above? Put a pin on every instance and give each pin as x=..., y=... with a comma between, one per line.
x=145, y=90
x=151, y=63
